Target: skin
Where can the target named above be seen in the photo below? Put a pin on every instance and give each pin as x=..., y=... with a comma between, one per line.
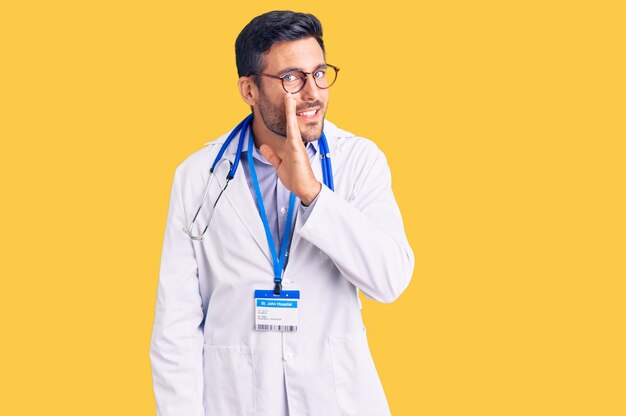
x=281, y=140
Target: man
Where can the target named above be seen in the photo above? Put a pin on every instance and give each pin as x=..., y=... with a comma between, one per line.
x=257, y=308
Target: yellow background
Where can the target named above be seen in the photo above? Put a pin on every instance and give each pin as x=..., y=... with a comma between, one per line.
x=503, y=124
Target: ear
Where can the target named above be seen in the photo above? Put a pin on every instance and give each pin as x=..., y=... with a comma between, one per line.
x=248, y=90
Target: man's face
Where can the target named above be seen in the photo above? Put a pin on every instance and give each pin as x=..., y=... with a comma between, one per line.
x=303, y=55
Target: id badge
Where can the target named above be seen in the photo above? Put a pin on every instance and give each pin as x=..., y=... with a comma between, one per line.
x=276, y=312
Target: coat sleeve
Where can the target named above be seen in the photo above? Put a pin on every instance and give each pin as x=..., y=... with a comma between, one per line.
x=364, y=235
x=177, y=337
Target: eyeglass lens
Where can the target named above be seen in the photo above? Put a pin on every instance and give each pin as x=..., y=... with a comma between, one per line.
x=323, y=77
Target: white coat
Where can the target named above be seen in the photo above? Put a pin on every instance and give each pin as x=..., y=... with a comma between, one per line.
x=207, y=359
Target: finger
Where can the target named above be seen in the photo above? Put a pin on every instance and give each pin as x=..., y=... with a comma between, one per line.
x=270, y=156
x=293, y=130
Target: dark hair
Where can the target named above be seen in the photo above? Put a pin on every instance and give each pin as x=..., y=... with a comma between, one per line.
x=269, y=28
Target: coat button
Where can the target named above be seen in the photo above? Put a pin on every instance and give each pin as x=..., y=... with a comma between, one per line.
x=289, y=356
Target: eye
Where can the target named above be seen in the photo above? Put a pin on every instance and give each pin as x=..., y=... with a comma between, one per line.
x=320, y=73
x=291, y=77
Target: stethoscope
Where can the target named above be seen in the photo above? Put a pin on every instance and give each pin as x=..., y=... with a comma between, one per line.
x=241, y=129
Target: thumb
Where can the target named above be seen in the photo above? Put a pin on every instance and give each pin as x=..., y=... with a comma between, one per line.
x=270, y=156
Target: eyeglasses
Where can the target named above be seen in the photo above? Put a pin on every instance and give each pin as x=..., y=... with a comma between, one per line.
x=293, y=81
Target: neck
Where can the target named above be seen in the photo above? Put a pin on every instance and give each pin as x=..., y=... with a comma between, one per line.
x=263, y=135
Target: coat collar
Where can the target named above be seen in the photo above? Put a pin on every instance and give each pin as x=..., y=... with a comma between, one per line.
x=240, y=199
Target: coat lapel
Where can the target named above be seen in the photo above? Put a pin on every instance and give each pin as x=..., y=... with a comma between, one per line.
x=240, y=199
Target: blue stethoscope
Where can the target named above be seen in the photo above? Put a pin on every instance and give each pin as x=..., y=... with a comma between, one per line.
x=278, y=260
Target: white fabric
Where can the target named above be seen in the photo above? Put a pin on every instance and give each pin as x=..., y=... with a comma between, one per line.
x=207, y=360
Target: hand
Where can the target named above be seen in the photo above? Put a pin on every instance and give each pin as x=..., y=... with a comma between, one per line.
x=292, y=163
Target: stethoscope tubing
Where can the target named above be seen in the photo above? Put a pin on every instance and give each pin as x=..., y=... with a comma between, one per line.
x=242, y=128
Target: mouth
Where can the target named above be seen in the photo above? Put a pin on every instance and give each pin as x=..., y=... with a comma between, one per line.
x=309, y=114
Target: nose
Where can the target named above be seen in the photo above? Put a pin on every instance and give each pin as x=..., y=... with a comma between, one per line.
x=310, y=91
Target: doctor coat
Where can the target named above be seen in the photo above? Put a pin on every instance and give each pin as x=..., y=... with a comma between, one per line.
x=207, y=359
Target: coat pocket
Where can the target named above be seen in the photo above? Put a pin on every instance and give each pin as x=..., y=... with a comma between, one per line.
x=357, y=386
x=229, y=381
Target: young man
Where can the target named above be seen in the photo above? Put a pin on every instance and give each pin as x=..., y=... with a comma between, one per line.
x=257, y=308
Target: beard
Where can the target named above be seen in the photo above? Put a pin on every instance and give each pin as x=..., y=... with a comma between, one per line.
x=275, y=118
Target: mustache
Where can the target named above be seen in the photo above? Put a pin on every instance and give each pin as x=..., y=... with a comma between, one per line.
x=310, y=105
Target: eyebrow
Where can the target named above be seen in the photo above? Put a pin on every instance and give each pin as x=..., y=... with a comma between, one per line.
x=287, y=70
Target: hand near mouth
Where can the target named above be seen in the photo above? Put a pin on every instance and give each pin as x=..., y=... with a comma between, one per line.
x=292, y=163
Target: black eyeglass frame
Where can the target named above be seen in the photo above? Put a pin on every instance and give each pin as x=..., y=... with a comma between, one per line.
x=304, y=77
